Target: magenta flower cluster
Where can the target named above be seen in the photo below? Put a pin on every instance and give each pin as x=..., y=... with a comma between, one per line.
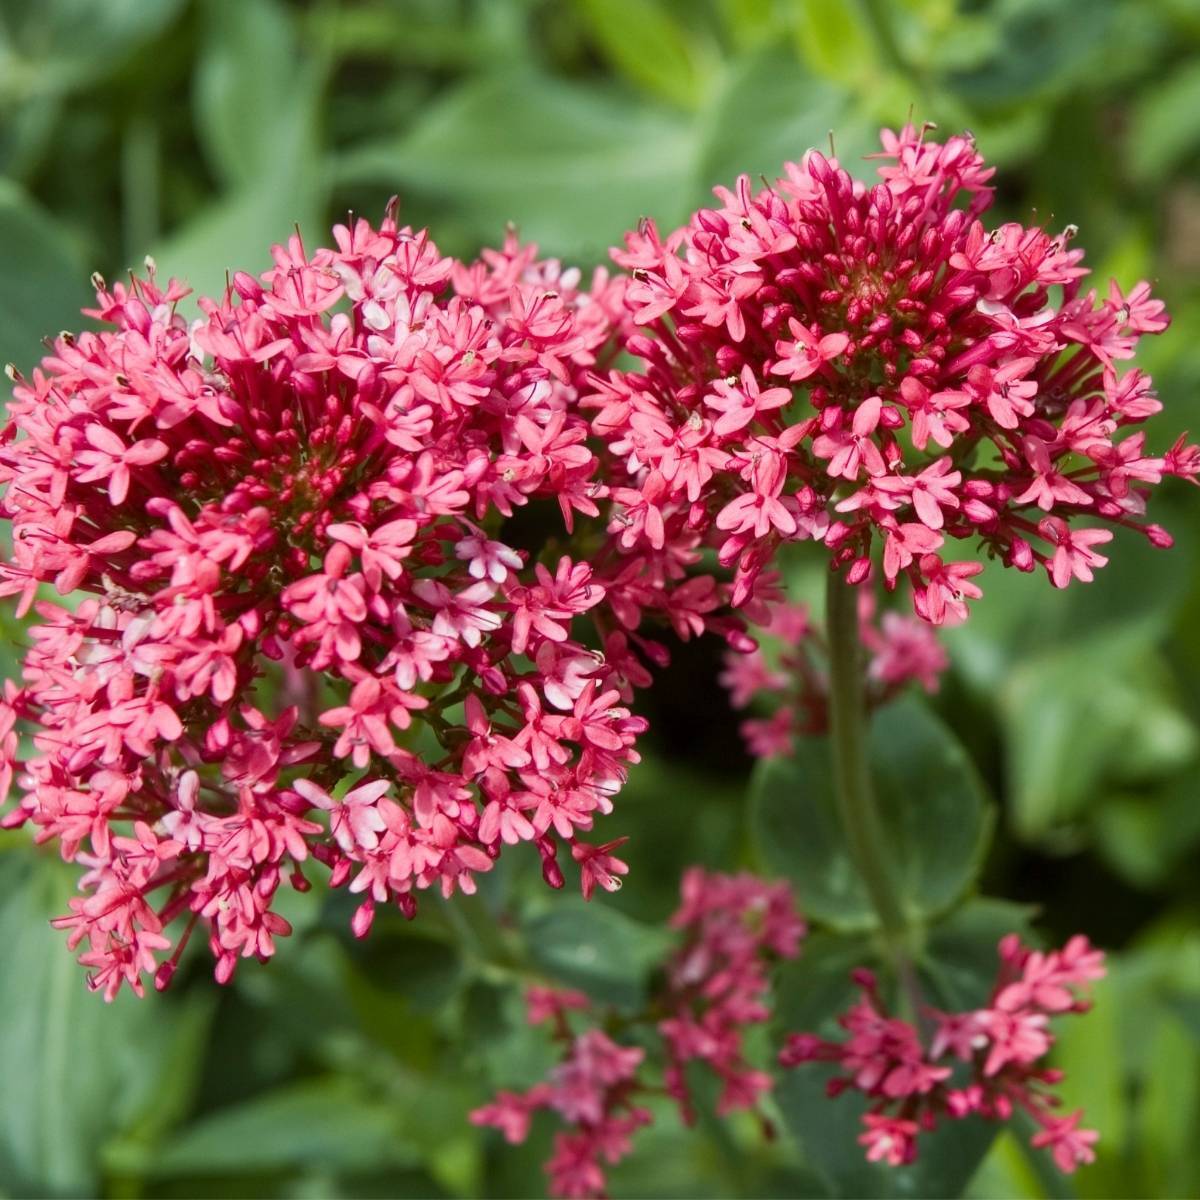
x=357, y=569
x=984, y=1063
x=794, y=679
x=871, y=368
x=303, y=634
x=730, y=928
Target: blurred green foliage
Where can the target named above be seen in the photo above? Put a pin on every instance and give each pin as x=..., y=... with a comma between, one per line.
x=202, y=131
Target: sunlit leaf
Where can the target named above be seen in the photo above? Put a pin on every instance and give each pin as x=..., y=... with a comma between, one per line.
x=43, y=284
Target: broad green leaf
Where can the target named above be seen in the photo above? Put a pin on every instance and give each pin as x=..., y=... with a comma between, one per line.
x=1100, y=712
x=649, y=47
x=330, y=1122
x=277, y=178
x=835, y=41
x=748, y=23
x=932, y=804
x=1148, y=836
x=1165, y=128
x=1042, y=50
x=76, y=1071
x=237, y=233
x=827, y=1132
x=1168, y=1114
x=501, y=1046
x=1009, y=1170
x=811, y=991
x=795, y=823
x=573, y=165
x=770, y=111
x=959, y=959
x=598, y=950
x=54, y=46
x=1088, y=1049
x=43, y=284
x=247, y=88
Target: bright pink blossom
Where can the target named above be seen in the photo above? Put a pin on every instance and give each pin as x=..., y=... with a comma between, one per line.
x=947, y=383
x=1000, y=1047
x=729, y=927
x=287, y=521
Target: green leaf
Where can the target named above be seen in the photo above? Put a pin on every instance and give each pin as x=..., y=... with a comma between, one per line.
x=247, y=88
x=932, y=804
x=43, y=285
x=835, y=41
x=237, y=234
x=747, y=23
x=76, y=1071
x=278, y=182
x=328, y=1122
x=770, y=111
x=597, y=949
x=1042, y=51
x=811, y=991
x=54, y=46
x=573, y=165
x=1065, y=734
x=1164, y=129
x=827, y=1132
x=1088, y=1049
x=959, y=958
x=649, y=47
x=1166, y=1118
x=1010, y=1170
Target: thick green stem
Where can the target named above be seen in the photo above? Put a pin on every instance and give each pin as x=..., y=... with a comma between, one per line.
x=857, y=808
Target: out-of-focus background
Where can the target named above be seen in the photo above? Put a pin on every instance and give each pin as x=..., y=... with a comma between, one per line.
x=203, y=130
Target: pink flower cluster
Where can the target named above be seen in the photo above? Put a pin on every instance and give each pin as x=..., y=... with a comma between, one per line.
x=983, y=1062
x=871, y=368
x=795, y=678
x=731, y=927
x=309, y=628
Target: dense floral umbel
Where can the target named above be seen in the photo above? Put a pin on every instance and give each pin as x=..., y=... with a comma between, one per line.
x=982, y=1063
x=305, y=631
x=794, y=676
x=731, y=927
x=871, y=368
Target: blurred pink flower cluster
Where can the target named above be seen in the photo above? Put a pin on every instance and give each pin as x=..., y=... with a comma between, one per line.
x=871, y=368
x=984, y=1062
x=792, y=674
x=730, y=928
x=308, y=628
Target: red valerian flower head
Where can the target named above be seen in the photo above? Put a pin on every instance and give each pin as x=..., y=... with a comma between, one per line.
x=715, y=986
x=985, y=1062
x=308, y=628
x=870, y=367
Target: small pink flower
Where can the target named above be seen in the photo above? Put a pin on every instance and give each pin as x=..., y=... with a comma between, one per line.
x=1000, y=1048
x=1070, y=1145
x=1073, y=554
x=807, y=352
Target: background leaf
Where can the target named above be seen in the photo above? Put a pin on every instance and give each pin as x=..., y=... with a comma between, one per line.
x=43, y=285
x=598, y=950
x=535, y=151
x=932, y=803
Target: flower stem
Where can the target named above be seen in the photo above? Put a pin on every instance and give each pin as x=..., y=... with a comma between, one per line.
x=859, y=813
